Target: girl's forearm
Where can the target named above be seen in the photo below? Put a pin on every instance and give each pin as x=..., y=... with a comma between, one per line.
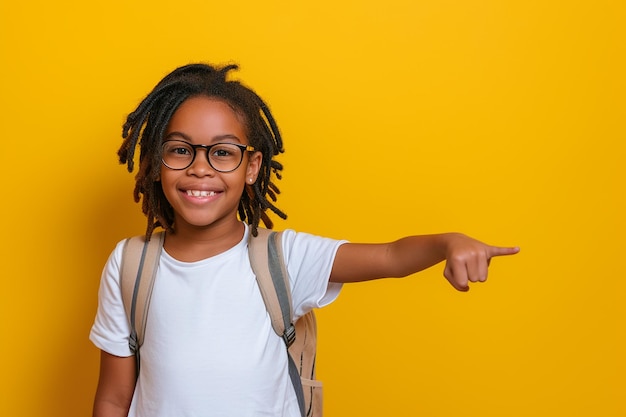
x=412, y=254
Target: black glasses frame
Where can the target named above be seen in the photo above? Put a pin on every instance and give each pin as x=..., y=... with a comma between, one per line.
x=207, y=149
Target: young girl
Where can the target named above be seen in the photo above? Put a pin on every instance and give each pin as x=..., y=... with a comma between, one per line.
x=207, y=176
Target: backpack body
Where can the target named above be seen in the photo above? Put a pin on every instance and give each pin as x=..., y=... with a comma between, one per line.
x=139, y=264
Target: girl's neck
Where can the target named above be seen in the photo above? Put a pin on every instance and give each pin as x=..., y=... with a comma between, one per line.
x=194, y=244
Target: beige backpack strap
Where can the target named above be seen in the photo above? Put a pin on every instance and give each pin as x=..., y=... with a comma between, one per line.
x=303, y=352
x=266, y=259
x=139, y=264
x=268, y=264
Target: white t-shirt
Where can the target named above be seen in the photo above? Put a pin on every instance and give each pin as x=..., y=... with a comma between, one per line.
x=209, y=347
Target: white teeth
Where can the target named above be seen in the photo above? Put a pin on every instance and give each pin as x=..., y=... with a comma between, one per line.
x=198, y=193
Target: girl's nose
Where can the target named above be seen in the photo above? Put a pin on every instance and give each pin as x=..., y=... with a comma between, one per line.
x=200, y=165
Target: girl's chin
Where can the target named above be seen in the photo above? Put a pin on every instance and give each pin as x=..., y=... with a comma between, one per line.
x=202, y=224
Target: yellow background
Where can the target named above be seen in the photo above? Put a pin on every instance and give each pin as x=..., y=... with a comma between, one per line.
x=501, y=119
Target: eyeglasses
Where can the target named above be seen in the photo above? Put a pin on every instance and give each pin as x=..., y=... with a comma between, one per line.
x=223, y=157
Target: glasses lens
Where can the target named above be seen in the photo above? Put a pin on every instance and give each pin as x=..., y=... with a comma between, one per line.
x=177, y=154
x=225, y=156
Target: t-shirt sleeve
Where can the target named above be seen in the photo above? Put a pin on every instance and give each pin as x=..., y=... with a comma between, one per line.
x=309, y=261
x=110, y=331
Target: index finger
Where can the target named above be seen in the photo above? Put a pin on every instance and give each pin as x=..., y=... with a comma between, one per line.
x=503, y=251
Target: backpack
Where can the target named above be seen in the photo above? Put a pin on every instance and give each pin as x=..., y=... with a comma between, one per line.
x=138, y=271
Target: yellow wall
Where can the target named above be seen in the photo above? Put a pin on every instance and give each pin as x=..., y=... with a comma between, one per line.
x=501, y=119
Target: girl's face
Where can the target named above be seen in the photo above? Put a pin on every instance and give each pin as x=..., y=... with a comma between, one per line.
x=201, y=196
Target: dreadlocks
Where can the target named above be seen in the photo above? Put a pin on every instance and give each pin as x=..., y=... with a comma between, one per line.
x=147, y=125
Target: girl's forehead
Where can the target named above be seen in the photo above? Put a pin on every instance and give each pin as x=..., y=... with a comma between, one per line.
x=202, y=103
x=202, y=116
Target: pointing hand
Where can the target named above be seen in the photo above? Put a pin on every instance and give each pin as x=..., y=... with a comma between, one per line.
x=467, y=260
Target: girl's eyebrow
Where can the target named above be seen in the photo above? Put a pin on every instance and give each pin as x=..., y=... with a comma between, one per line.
x=215, y=139
x=171, y=134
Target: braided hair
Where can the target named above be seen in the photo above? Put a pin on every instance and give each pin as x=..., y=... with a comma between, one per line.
x=147, y=125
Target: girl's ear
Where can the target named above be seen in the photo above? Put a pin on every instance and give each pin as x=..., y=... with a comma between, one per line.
x=253, y=168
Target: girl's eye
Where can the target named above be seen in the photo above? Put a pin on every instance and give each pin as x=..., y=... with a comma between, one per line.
x=177, y=149
x=224, y=151
x=221, y=152
x=181, y=151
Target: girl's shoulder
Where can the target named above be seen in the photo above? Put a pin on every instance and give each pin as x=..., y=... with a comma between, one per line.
x=115, y=257
x=306, y=245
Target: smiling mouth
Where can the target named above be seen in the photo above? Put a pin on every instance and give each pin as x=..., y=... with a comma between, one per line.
x=199, y=193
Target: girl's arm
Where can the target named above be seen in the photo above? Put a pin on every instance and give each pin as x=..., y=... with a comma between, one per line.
x=467, y=259
x=115, y=386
